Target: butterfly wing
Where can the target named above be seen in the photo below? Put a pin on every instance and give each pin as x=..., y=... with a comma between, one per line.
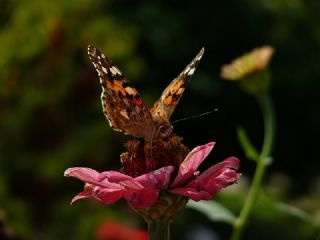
x=122, y=104
x=164, y=107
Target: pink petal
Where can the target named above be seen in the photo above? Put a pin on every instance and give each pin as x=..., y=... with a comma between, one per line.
x=156, y=179
x=192, y=193
x=83, y=195
x=210, y=182
x=142, y=198
x=206, y=189
x=231, y=162
x=215, y=184
x=131, y=184
x=108, y=196
x=191, y=163
x=83, y=174
x=122, y=179
x=89, y=175
x=139, y=198
x=115, y=177
x=215, y=178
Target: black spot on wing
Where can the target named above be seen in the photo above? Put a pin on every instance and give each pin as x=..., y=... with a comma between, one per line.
x=127, y=84
x=175, y=97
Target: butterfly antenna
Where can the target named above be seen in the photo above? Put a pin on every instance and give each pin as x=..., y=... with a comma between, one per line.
x=195, y=116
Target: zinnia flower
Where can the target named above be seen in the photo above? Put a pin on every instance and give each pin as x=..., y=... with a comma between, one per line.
x=143, y=191
x=256, y=60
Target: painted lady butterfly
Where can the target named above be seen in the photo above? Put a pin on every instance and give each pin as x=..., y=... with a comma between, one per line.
x=122, y=104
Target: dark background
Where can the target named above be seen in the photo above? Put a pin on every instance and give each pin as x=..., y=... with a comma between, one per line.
x=51, y=116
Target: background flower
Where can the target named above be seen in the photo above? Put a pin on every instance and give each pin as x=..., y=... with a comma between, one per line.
x=114, y=230
x=256, y=60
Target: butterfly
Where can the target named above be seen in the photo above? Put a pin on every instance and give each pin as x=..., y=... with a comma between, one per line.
x=123, y=106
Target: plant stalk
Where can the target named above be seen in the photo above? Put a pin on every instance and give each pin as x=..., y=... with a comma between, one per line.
x=263, y=160
x=159, y=230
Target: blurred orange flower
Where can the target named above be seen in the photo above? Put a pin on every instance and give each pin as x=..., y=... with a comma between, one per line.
x=256, y=60
x=113, y=230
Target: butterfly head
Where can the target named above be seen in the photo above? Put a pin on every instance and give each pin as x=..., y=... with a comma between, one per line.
x=163, y=127
x=165, y=130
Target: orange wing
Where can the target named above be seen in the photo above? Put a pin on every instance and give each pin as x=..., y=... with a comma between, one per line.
x=122, y=104
x=164, y=107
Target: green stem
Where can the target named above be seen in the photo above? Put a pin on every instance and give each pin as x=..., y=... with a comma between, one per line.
x=263, y=160
x=269, y=125
x=159, y=230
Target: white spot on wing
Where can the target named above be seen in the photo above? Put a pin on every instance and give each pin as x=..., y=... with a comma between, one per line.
x=124, y=114
x=130, y=90
x=104, y=70
x=113, y=72
x=191, y=71
x=187, y=70
x=117, y=70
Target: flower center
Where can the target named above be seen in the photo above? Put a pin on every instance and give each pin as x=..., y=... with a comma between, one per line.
x=143, y=157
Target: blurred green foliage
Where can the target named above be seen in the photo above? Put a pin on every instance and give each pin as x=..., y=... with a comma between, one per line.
x=51, y=117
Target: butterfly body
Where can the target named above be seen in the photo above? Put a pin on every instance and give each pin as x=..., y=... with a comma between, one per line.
x=123, y=106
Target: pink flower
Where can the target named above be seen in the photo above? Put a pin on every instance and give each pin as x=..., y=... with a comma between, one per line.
x=143, y=191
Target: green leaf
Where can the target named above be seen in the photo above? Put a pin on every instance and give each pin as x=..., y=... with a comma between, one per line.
x=288, y=209
x=213, y=210
x=294, y=211
x=248, y=148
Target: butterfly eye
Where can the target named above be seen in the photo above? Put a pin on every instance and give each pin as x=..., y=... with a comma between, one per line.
x=162, y=129
x=165, y=131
